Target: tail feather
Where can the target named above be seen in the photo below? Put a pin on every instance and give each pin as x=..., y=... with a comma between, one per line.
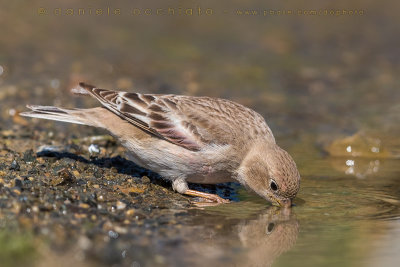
x=83, y=89
x=57, y=114
x=91, y=117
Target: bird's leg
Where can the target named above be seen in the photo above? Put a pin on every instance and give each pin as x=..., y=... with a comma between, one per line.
x=207, y=196
x=180, y=185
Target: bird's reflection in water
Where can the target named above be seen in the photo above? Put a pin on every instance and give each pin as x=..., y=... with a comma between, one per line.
x=249, y=237
x=265, y=238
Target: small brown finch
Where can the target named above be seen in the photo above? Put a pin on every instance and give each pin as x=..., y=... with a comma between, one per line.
x=190, y=139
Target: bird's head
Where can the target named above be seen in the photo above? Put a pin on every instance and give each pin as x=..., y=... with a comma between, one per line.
x=271, y=172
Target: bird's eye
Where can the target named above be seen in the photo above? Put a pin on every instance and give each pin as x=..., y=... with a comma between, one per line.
x=273, y=185
x=270, y=228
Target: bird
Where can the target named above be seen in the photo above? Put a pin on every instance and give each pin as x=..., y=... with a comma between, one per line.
x=189, y=139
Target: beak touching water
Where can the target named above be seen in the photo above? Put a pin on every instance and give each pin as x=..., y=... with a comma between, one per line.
x=284, y=203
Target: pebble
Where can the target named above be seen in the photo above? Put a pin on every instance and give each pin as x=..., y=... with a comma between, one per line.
x=15, y=166
x=98, y=173
x=84, y=205
x=29, y=156
x=145, y=180
x=130, y=212
x=18, y=183
x=64, y=177
x=94, y=150
x=121, y=205
x=16, y=190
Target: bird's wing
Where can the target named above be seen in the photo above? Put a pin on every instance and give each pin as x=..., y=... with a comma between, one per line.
x=190, y=122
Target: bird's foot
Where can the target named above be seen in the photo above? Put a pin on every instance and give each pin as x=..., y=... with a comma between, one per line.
x=208, y=199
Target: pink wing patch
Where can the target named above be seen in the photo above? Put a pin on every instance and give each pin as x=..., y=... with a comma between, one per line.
x=154, y=114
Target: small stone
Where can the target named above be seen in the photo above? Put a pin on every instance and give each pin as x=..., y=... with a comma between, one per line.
x=145, y=180
x=121, y=205
x=113, y=234
x=66, y=161
x=94, y=150
x=29, y=156
x=16, y=190
x=98, y=173
x=46, y=207
x=80, y=215
x=41, y=160
x=15, y=166
x=130, y=212
x=18, y=183
x=81, y=182
x=64, y=177
x=120, y=230
x=84, y=205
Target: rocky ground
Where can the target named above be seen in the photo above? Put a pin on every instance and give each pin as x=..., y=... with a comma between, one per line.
x=81, y=192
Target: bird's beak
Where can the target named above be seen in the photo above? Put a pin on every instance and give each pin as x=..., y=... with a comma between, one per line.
x=285, y=203
x=280, y=202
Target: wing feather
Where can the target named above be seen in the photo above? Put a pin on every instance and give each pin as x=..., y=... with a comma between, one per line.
x=190, y=122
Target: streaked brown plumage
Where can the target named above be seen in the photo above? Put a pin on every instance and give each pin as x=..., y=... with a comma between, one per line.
x=190, y=139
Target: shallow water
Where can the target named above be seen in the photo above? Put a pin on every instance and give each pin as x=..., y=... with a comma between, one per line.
x=314, y=79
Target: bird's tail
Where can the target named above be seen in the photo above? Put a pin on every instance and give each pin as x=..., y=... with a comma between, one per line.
x=77, y=116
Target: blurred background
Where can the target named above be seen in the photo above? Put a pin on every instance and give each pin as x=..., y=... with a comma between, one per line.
x=323, y=74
